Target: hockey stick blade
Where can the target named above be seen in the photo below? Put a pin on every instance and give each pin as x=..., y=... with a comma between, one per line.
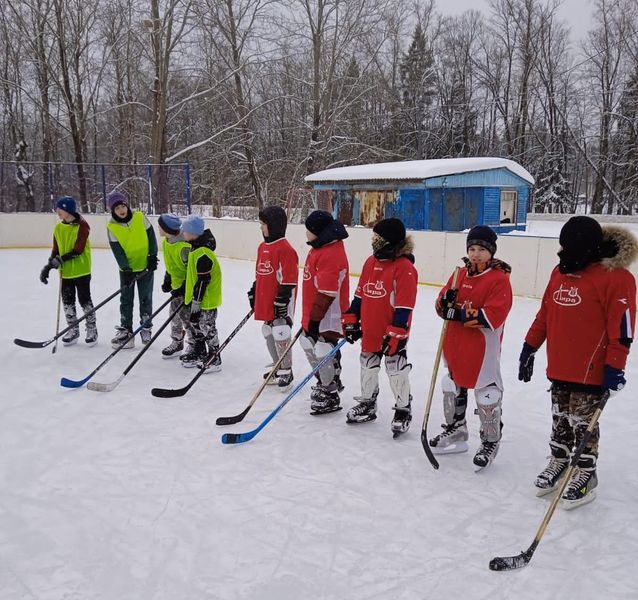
x=232, y=420
x=509, y=563
x=168, y=393
x=428, y=451
x=239, y=438
x=28, y=344
x=72, y=383
x=95, y=386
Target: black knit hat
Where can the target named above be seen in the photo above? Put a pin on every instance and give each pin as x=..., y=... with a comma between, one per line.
x=484, y=236
x=391, y=230
x=318, y=220
x=581, y=239
x=277, y=221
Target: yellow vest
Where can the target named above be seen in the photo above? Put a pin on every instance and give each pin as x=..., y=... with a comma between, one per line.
x=213, y=294
x=175, y=266
x=66, y=234
x=133, y=238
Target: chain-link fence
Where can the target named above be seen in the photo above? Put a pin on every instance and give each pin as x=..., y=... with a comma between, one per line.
x=36, y=186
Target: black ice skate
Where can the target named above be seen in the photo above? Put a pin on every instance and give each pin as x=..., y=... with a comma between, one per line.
x=324, y=401
x=284, y=379
x=195, y=357
x=123, y=336
x=401, y=420
x=71, y=336
x=550, y=477
x=485, y=454
x=91, y=335
x=173, y=349
x=581, y=488
x=211, y=366
x=146, y=334
x=363, y=412
x=452, y=440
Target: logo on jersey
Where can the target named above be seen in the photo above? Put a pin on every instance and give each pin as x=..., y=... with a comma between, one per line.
x=265, y=268
x=567, y=296
x=374, y=290
x=306, y=273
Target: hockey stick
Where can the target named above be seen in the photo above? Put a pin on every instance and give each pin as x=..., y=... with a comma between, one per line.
x=171, y=393
x=508, y=563
x=73, y=383
x=57, y=318
x=240, y=438
x=435, y=373
x=243, y=413
x=109, y=387
x=28, y=344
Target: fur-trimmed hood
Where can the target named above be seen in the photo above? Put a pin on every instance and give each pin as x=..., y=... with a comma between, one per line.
x=620, y=247
x=404, y=249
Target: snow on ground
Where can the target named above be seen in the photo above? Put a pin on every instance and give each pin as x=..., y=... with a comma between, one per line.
x=110, y=496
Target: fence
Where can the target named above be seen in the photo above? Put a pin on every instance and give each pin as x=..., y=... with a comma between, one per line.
x=35, y=186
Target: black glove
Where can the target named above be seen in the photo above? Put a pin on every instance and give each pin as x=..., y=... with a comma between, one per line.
x=151, y=262
x=44, y=274
x=251, y=296
x=313, y=331
x=281, y=307
x=179, y=292
x=449, y=298
x=452, y=314
x=351, y=327
x=526, y=363
x=613, y=379
x=195, y=312
x=166, y=284
x=55, y=262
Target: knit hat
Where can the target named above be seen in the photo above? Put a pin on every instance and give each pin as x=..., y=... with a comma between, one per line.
x=170, y=223
x=318, y=220
x=581, y=239
x=67, y=204
x=391, y=230
x=116, y=199
x=484, y=236
x=276, y=219
x=193, y=225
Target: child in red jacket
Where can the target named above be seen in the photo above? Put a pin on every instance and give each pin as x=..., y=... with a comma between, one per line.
x=477, y=310
x=272, y=295
x=587, y=316
x=380, y=315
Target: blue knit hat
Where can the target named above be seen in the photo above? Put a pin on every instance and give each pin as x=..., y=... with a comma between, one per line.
x=170, y=223
x=67, y=204
x=115, y=199
x=193, y=225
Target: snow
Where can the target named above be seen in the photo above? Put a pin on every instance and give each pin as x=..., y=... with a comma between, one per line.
x=106, y=496
x=418, y=169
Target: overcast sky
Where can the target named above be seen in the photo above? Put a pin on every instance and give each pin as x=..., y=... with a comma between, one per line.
x=577, y=13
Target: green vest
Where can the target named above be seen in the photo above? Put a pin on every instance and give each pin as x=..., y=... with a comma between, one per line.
x=133, y=238
x=66, y=234
x=175, y=266
x=213, y=295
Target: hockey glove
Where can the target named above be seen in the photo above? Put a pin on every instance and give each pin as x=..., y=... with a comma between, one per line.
x=44, y=274
x=351, y=327
x=195, y=312
x=55, y=262
x=166, y=284
x=151, y=262
x=613, y=379
x=526, y=363
x=313, y=331
x=251, y=296
x=179, y=292
x=393, y=338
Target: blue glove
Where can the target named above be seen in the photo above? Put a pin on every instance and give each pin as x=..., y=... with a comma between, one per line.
x=526, y=363
x=613, y=379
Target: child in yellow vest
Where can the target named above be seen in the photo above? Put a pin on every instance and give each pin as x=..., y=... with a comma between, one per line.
x=134, y=245
x=203, y=294
x=71, y=253
x=175, y=250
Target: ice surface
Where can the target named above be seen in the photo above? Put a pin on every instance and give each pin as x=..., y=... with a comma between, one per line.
x=117, y=496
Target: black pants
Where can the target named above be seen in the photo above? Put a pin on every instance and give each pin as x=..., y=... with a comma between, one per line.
x=80, y=284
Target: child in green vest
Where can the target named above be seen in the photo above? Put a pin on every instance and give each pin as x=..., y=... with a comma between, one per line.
x=134, y=246
x=203, y=294
x=175, y=250
x=71, y=253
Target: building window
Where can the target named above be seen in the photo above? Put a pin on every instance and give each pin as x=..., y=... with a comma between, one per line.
x=508, y=206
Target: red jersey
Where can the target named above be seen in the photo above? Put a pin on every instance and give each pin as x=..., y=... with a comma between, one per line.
x=473, y=354
x=383, y=286
x=585, y=316
x=327, y=271
x=277, y=263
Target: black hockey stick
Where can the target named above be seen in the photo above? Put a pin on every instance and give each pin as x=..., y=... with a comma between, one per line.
x=109, y=387
x=57, y=317
x=170, y=393
x=508, y=563
x=76, y=383
x=243, y=413
x=28, y=344
x=435, y=372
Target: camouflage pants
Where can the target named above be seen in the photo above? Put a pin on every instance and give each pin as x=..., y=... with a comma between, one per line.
x=571, y=413
x=180, y=321
x=205, y=329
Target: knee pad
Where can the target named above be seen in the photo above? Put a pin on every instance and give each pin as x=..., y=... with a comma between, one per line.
x=454, y=400
x=266, y=330
x=396, y=363
x=370, y=366
x=280, y=330
x=488, y=407
x=398, y=369
x=323, y=348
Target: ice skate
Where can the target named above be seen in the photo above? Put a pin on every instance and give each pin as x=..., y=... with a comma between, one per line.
x=550, y=477
x=195, y=357
x=123, y=336
x=145, y=335
x=284, y=379
x=214, y=365
x=452, y=440
x=91, y=335
x=173, y=349
x=401, y=420
x=485, y=454
x=581, y=488
x=324, y=401
x=363, y=412
x=71, y=336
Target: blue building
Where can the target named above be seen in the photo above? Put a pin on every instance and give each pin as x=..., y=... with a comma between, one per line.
x=449, y=194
